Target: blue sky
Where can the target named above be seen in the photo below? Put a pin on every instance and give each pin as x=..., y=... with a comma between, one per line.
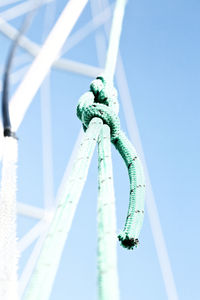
x=160, y=49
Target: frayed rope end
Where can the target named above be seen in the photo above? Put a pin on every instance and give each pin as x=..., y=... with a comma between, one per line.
x=127, y=242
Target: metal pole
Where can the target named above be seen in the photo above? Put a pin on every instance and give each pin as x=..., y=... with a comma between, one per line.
x=87, y=29
x=43, y=62
x=45, y=104
x=16, y=76
x=30, y=211
x=22, y=9
x=31, y=236
x=7, y=2
x=34, y=49
x=28, y=270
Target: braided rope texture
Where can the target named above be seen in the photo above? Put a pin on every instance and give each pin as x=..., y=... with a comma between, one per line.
x=9, y=256
x=102, y=102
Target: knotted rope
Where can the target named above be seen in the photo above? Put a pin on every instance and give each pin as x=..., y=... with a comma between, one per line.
x=101, y=101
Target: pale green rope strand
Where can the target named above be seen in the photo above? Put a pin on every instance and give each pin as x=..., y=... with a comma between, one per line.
x=107, y=256
x=108, y=287
x=107, y=253
x=41, y=282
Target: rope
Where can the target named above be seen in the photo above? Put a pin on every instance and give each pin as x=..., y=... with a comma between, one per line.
x=41, y=282
x=8, y=242
x=107, y=254
x=102, y=102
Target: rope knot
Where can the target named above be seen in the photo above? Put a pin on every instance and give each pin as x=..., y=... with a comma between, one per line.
x=105, y=93
x=100, y=102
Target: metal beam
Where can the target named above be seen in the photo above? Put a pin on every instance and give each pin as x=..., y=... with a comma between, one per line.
x=45, y=108
x=8, y=2
x=87, y=29
x=30, y=211
x=31, y=236
x=22, y=9
x=15, y=76
x=28, y=270
x=43, y=62
x=21, y=59
x=99, y=36
x=34, y=49
x=77, y=67
x=62, y=187
x=82, y=69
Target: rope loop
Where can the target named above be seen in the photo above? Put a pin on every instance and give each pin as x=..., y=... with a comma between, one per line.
x=102, y=102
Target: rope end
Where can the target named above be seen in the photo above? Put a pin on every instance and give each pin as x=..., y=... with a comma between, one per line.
x=127, y=242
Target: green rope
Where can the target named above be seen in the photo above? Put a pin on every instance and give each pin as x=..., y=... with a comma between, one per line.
x=101, y=102
x=107, y=254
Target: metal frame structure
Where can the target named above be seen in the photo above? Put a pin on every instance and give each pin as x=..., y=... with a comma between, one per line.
x=101, y=11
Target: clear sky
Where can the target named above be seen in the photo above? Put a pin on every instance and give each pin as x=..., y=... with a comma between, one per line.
x=160, y=49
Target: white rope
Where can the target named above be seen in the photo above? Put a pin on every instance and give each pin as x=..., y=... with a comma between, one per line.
x=8, y=244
